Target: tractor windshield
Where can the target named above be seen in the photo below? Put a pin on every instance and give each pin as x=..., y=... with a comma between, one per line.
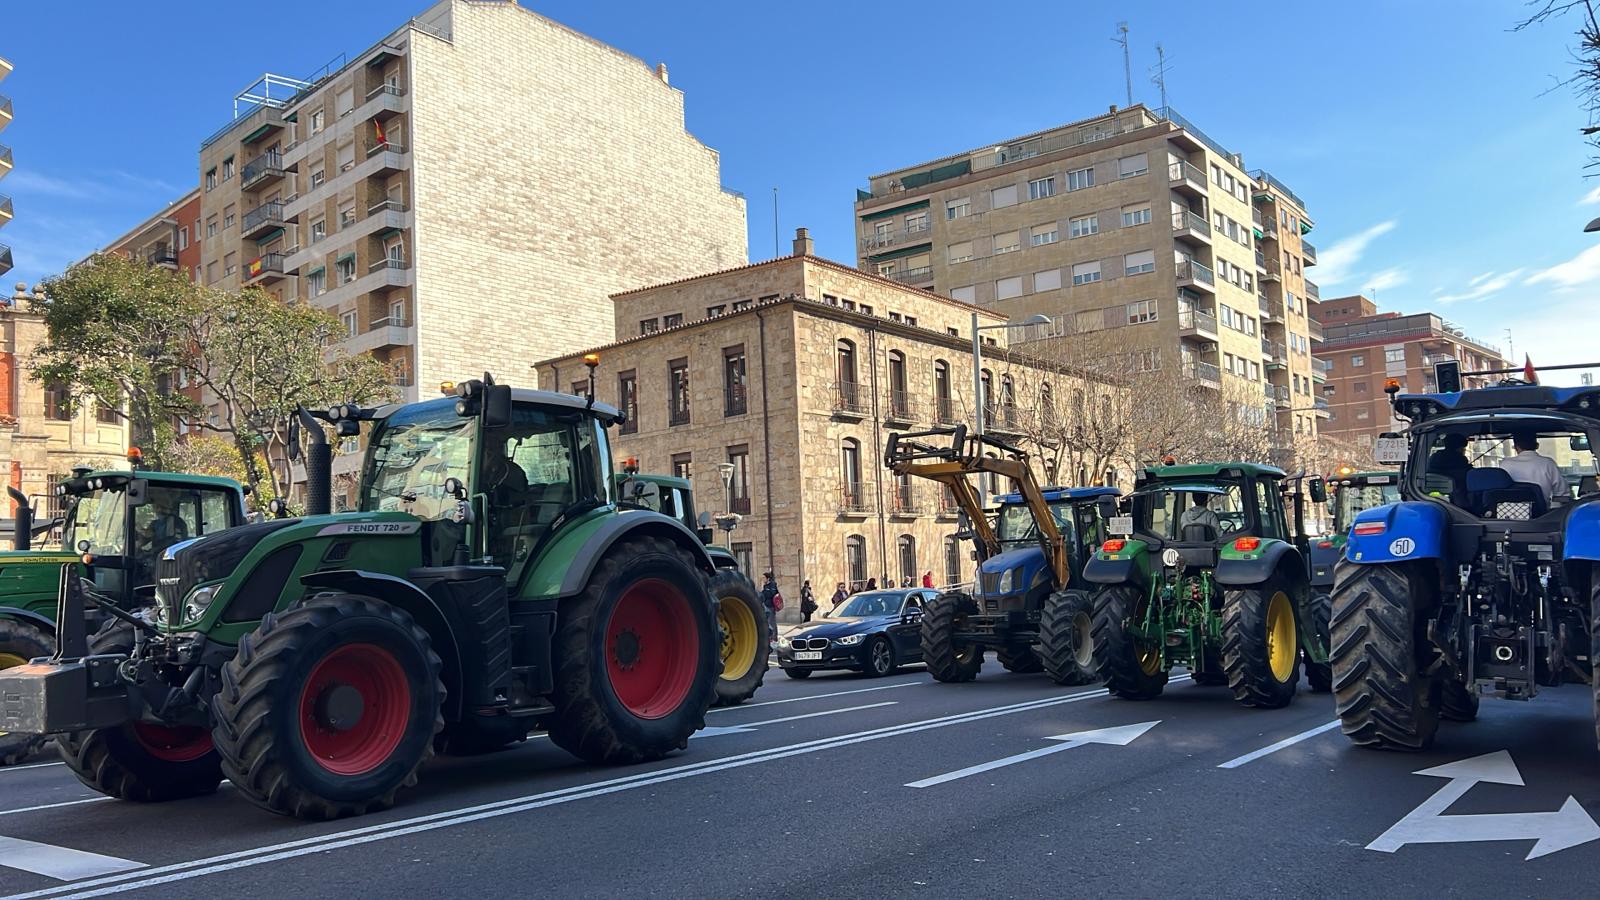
x=99, y=517
x=413, y=452
x=1505, y=465
x=1164, y=510
x=1353, y=498
x=1016, y=526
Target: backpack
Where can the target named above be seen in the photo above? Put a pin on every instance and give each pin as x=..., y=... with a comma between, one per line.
x=777, y=602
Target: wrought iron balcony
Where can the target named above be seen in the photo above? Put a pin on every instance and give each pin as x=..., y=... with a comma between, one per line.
x=900, y=407
x=913, y=276
x=944, y=411
x=161, y=255
x=261, y=170
x=1194, y=274
x=849, y=399
x=855, y=498
x=262, y=219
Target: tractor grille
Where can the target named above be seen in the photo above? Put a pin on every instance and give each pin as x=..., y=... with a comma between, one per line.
x=171, y=587
x=809, y=644
x=990, y=582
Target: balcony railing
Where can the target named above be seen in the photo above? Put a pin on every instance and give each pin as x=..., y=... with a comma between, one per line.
x=269, y=264
x=944, y=411
x=384, y=206
x=1313, y=291
x=1197, y=321
x=374, y=147
x=5, y=259
x=1189, y=270
x=1314, y=329
x=267, y=215
x=1203, y=372
x=1274, y=350
x=387, y=262
x=1263, y=303
x=161, y=255
x=947, y=503
x=740, y=505
x=1274, y=268
x=913, y=276
x=1186, y=173
x=903, y=502
x=5, y=158
x=390, y=89
x=854, y=498
x=1184, y=220
x=5, y=209
x=1309, y=252
x=849, y=398
x=1261, y=261
x=267, y=165
x=1321, y=365
x=1269, y=228
x=900, y=407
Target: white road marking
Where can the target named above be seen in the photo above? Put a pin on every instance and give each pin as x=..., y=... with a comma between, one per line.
x=12, y=812
x=1550, y=831
x=881, y=687
x=29, y=766
x=60, y=863
x=1274, y=748
x=1120, y=736
x=448, y=818
x=714, y=730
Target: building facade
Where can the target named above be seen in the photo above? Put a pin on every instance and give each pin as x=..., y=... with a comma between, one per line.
x=43, y=435
x=467, y=192
x=1134, y=217
x=5, y=166
x=166, y=239
x=790, y=375
x=1365, y=348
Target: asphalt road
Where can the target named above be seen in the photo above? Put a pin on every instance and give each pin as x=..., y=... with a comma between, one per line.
x=806, y=792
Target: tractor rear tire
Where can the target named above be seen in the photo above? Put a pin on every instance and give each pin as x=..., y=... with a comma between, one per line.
x=19, y=643
x=1456, y=703
x=1594, y=647
x=329, y=709
x=1383, y=699
x=1066, y=637
x=1129, y=671
x=746, y=646
x=946, y=660
x=1261, y=645
x=1020, y=659
x=140, y=762
x=637, y=656
x=1319, y=676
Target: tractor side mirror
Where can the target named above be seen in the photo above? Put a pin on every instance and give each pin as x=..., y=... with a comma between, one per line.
x=705, y=534
x=138, y=491
x=1318, y=490
x=1106, y=506
x=1587, y=485
x=496, y=406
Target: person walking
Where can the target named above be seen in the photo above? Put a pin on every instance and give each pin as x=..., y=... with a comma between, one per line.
x=808, y=601
x=840, y=595
x=772, y=601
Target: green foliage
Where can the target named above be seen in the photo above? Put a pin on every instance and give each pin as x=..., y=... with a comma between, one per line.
x=213, y=454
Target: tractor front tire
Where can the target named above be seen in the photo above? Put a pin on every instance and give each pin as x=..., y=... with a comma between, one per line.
x=1128, y=670
x=137, y=761
x=1383, y=699
x=1066, y=637
x=19, y=643
x=947, y=661
x=1020, y=659
x=636, y=656
x=746, y=644
x=1319, y=676
x=1261, y=646
x=329, y=709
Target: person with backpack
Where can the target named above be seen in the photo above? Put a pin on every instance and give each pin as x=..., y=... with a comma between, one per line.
x=772, y=599
x=808, y=601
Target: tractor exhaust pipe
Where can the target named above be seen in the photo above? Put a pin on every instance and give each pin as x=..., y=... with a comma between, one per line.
x=319, y=466
x=22, y=525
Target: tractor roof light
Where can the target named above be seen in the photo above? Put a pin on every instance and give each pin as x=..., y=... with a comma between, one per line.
x=1247, y=544
x=447, y=388
x=1114, y=545
x=135, y=456
x=1391, y=386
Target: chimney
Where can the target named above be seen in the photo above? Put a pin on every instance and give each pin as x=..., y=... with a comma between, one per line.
x=803, y=245
x=661, y=73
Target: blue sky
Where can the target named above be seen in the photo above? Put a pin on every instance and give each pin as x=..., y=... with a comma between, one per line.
x=1439, y=165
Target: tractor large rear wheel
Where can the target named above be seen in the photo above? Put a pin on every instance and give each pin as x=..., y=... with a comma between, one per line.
x=946, y=659
x=1456, y=703
x=19, y=643
x=636, y=654
x=1319, y=676
x=1383, y=699
x=1066, y=637
x=329, y=709
x=746, y=644
x=1130, y=668
x=138, y=761
x=1020, y=659
x=1261, y=645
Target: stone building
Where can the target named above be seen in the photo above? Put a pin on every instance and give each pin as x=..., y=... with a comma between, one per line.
x=42, y=435
x=792, y=374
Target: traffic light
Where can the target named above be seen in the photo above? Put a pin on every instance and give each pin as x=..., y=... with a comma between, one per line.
x=1447, y=375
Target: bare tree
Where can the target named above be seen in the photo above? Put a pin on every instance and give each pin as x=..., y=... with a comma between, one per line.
x=1585, y=81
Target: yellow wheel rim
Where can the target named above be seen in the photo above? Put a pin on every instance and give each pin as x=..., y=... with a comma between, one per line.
x=738, y=637
x=1149, y=656
x=1282, y=642
x=7, y=660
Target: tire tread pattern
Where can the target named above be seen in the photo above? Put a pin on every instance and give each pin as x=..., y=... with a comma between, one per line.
x=1245, y=654
x=1381, y=699
x=1116, y=658
x=734, y=583
x=938, y=638
x=1058, y=639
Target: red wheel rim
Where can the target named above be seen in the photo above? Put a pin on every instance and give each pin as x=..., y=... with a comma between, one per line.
x=175, y=744
x=354, y=709
x=652, y=649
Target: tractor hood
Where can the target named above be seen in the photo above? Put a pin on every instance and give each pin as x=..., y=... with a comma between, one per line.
x=1010, y=559
x=31, y=579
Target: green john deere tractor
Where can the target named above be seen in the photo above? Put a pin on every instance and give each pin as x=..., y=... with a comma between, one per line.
x=125, y=520
x=741, y=619
x=1206, y=575
x=488, y=585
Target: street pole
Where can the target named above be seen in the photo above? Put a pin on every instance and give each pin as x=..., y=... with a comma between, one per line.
x=977, y=402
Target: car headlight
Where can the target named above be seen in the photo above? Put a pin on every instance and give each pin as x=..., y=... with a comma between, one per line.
x=199, y=601
x=850, y=640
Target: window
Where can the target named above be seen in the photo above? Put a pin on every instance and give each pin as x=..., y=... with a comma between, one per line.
x=628, y=400
x=1078, y=179
x=580, y=389
x=744, y=555
x=960, y=252
x=1041, y=188
x=672, y=320
x=319, y=230
x=1040, y=235
x=649, y=326
x=1139, y=263
x=955, y=209
x=1216, y=174
x=1140, y=311
x=906, y=550
x=183, y=238
x=1360, y=387
x=211, y=178
x=1086, y=273
x=1005, y=243
x=916, y=222
x=844, y=371
x=227, y=216
x=741, y=305
x=1397, y=355
x=1003, y=196
x=57, y=402
x=316, y=121
x=211, y=272
x=1006, y=288
x=347, y=215
x=1048, y=280
x=1225, y=315
x=1255, y=371
x=348, y=320
x=1083, y=226
x=952, y=561
x=855, y=559
x=318, y=177
x=345, y=102
x=964, y=294
x=739, y=487
x=346, y=268
x=734, y=388
x=1358, y=360
x=1129, y=166
x=850, y=467
x=347, y=157
x=107, y=414
x=1135, y=215
x=227, y=168
x=211, y=225
x=397, y=312
x=230, y=264
x=678, y=392
x=316, y=282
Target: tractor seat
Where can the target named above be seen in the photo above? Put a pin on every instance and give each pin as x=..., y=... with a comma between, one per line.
x=1491, y=493
x=1197, y=545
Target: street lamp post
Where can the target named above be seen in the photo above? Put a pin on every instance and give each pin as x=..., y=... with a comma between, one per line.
x=977, y=377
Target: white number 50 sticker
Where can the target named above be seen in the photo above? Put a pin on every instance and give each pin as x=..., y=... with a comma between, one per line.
x=1402, y=547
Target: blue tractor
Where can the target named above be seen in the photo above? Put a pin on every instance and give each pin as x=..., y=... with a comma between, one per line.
x=1482, y=580
x=1029, y=603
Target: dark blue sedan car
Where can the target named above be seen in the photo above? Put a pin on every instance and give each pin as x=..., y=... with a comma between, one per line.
x=872, y=632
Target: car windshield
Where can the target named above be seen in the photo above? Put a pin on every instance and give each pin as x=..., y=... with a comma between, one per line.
x=1163, y=510
x=872, y=603
x=1016, y=525
x=1479, y=463
x=413, y=452
x=1350, y=499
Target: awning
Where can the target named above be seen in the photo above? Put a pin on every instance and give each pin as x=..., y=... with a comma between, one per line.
x=268, y=237
x=345, y=256
x=918, y=250
x=894, y=210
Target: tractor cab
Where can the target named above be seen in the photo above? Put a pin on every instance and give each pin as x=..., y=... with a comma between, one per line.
x=1350, y=493
x=1019, y=571
x=1197, y=509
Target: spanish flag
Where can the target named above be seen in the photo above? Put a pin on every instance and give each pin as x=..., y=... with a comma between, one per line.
x=377, y=131
x=1528, y=373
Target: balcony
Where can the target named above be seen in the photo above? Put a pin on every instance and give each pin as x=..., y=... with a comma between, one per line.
x=918, y=275
x=1275, y=353
x=381, y=280
x=1192, y=274
x=1314, y=329
x=384, y=334
x=1271, y=269
x=261, y=171
x=5, y=112
x=5, y=160
x=1263, y=304
x=1187, y=226
x=903, y=501
x=855, y=498
x=849, y=400
x=1312, y=291
x=740, y=505
x=1186, y=178
x=1273, y=311
x=1309, y=252
x=1321, y=408
x=947, y=508
x=1261, y=262
x=386, y=262
x=384, y=159
x=1320, y=369
x=944, y=411
x=1197, y=324
x=387, y=215
x=1207, y=374
x=390, y=157
x=264, y=269
x=882, y=240
x=161, y=255
x=1278, y=394
x=900, y=408
x=5, y=259
x=262, y=219
x=389, y=102
x=5, y=209
x=1267, y=228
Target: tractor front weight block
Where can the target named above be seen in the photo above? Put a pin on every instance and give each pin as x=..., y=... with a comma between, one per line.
x=58, y=697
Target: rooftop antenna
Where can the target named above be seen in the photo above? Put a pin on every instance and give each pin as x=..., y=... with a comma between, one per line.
x=775, y=222
x=1127, y=68
x=1511, y=348
x=1159, y=75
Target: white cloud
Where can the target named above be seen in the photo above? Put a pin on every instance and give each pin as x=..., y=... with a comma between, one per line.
x=32, y=181
x=1388, y=278
x=1477, y=280
x=1483, y=286
x=1591, y=198
x=1579, y=270
x=1337, y=262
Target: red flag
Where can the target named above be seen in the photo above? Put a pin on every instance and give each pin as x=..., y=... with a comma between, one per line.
x=1528, y=373
x=377, y=130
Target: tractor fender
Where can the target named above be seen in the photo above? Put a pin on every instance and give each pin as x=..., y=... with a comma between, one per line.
x=32, y=618
x=422, y=608
x=1582, y=540
x=1324, y=553
x=1129, y=564
x=633, y=523
x=1411, y=530
x=1237, y=568
x=722, y=557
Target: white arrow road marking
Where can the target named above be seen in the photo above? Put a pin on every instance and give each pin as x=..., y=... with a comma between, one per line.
x=881, y=687
x=1120, y=736
x=60, y=863
x=1274, y=748
x=715, y=730
x=1550, y=831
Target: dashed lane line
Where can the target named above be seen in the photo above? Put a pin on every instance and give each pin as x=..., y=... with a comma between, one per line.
x=1274, y=748
x=25, y=809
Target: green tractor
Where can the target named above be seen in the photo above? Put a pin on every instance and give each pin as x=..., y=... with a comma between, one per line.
x=1350, y=493
x=127, y=519
x=741, y=619
x=1206, y=574
x=488, y=585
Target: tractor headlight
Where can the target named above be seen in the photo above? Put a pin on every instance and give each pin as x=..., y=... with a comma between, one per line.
x=850, y=640
x=1009, y=579
x=199, y=601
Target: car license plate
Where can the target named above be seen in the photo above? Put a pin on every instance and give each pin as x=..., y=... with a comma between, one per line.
x=808, y=654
